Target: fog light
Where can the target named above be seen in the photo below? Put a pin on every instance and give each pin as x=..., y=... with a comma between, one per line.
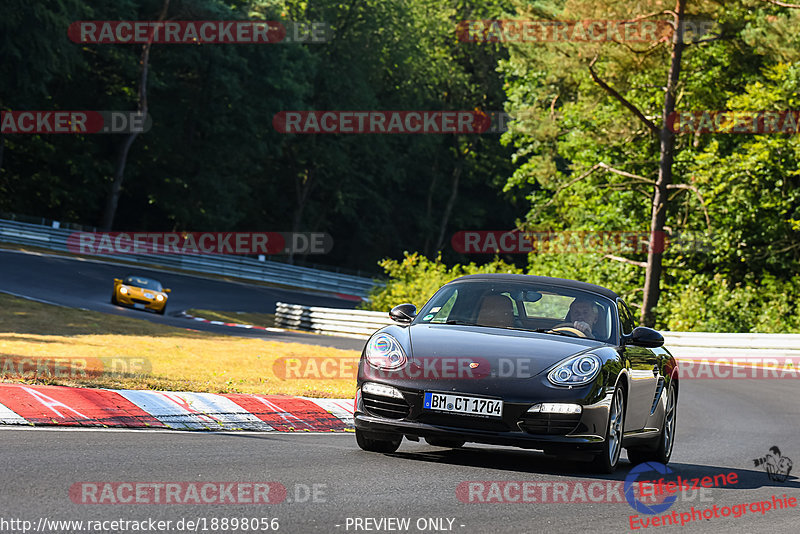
x=555, y=407
x=381, y=390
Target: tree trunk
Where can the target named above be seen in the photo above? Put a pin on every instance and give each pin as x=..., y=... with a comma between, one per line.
x=122, y=156
x=303, y=187
x=652, y=288
x=116, y=186
x=429, y=208
x=450, y=202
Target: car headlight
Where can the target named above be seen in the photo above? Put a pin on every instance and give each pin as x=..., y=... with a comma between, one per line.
x=575, y=371
x=159, y=298
x=123, y=290
x=384, y=352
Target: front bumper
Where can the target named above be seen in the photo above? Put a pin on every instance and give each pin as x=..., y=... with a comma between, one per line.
x=132, y=301
x=586, y=432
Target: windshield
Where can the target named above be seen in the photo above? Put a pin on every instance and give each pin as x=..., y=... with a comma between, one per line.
x=520, y=306
x=144, y=283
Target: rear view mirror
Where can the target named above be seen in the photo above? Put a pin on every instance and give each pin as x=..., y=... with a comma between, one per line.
x=404, y=313
x=532, y=296
x=117, y=281
x=167, y=291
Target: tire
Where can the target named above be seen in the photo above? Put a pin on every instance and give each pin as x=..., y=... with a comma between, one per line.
x=444, y=442
x=162, y=310
x=377, y=445
x=661, y=450
x=607, y=460
x=114, y=299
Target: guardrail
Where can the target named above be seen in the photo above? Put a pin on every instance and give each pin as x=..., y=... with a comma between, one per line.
x=54, y=238
x=694, y=345
x=359, y=324
x=683, y=345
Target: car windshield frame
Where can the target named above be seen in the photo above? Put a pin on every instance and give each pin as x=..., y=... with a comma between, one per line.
x=143, y=283
x=445, y=293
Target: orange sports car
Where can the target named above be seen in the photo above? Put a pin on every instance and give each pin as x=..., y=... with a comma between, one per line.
x=141, y=293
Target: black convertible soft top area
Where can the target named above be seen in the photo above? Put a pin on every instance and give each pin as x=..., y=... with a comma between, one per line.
x=546, y=280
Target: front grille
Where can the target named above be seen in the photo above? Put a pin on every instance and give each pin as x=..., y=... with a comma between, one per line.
x=550, y=423
x=140, y=301
x=388, y=407
x=467, y=422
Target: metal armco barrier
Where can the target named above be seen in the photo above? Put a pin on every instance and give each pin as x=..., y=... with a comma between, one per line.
x=357, y=324
x=238, y=266
x=683, y=345
x=695, y=345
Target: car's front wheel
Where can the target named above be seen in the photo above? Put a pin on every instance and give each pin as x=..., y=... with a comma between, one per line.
x=607, y=460
x=377, y=445
x=662, y=450
x=114, y=298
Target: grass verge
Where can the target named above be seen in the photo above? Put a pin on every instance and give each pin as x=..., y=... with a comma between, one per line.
x=44, y=344
x=256, y=319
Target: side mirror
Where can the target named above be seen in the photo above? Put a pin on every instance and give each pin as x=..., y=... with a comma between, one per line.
x=167, y=291
x=117, y=281
x=404, y=313
x=645, y=337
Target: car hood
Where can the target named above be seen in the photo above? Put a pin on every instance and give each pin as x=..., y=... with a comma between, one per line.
x=511, y=353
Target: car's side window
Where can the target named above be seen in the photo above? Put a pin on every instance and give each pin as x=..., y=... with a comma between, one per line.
x=625, y=317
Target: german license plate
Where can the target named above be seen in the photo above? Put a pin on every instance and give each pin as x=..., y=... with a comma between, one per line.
x=462, y=404
x=138, y=306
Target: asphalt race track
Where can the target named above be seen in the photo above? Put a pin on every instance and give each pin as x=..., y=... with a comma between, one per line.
x=87, y=284
x=722, y=426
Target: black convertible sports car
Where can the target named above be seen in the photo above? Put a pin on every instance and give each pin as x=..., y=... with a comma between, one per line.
x=531, y=361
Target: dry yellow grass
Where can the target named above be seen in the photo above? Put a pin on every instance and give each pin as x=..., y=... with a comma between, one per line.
x=91, y=349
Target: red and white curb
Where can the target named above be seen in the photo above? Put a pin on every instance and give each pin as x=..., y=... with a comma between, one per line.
x=22, y=404
x=236, y=325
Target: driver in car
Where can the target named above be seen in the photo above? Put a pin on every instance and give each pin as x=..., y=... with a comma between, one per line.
x=584, y=316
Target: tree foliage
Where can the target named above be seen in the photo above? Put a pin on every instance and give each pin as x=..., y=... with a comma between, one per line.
x=575, y=159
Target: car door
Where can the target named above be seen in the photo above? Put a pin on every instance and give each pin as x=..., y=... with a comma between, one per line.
x=643, y=366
